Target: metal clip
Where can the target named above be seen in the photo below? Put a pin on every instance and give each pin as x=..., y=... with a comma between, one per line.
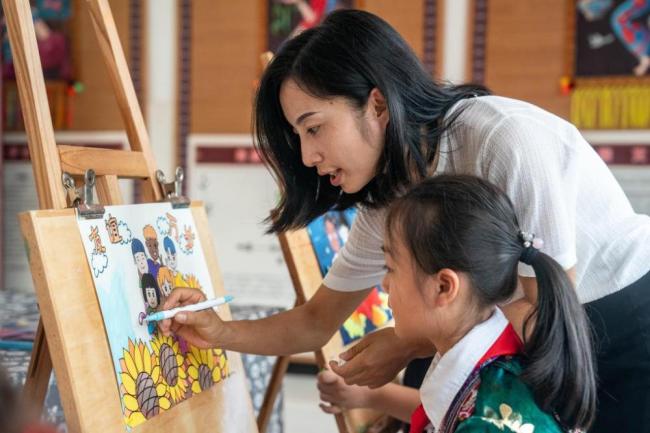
x=172, y=191
x=82, y=198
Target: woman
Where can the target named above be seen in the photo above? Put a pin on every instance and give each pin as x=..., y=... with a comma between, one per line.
x=346, y=115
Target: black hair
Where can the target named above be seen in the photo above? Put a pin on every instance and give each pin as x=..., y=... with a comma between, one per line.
x=348, y=55
x=148, y=280
x=468, y=225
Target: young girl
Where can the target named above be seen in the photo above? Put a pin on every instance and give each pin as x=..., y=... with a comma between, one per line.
x=346, y=115
x=452, y=249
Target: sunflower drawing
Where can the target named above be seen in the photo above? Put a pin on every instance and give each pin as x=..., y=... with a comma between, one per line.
x=206, y=367
x=143, y=393
x=172, y=365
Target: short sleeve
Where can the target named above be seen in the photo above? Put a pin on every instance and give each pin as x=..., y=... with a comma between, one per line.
x=360, y=263
x=532, y=161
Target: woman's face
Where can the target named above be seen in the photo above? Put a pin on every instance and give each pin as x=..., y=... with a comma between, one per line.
x=335, y=138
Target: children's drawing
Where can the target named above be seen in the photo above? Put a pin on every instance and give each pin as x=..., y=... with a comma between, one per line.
x=328, y=234
x=187, y=240
x=97, y=257
x=118, y=231
x=135, y=268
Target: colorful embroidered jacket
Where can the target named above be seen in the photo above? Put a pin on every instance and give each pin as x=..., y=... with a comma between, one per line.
x=476, y=387
x=500, y=402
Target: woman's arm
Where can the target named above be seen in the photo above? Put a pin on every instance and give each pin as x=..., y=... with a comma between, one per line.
x=302, y=329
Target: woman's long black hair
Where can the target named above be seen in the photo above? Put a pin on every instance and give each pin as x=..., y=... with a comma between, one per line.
x=467, y=224
x=348, y=55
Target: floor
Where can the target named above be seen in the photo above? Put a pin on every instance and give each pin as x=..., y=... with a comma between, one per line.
x=301, y=411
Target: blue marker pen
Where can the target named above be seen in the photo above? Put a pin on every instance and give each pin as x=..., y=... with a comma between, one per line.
x=168, y=314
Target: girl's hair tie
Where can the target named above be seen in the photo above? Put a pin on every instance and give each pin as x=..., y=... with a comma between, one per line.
x=531, y=246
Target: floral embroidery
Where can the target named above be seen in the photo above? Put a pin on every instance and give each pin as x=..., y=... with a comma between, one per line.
x=467, y=408
x=507, y=418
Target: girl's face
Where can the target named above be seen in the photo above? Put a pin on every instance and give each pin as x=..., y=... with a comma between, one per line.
x=335, y=138
x=438, y=307
x=152, y=299
x=141, y=263
x=166, y=287
x=405, y=298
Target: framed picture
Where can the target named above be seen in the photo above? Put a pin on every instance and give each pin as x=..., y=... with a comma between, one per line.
x=612, y=38
x=287, y=18
x=328, y=233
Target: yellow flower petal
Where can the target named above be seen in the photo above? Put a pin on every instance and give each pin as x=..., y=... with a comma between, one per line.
x=222, y=361
x=204, y=357
x=193, y=360
x=135, y=419
x=161, y=389
x=505, y=410
x=128, y=382
x=193, y=372
x=130, y=365
x=216, y=375
x=130, y=402
x=196, y=352
x=179, y=359
x=155, y=373
x=164, y=403
x=196, y=387
x=147, y=361
x=181, y=373
x=138, y=360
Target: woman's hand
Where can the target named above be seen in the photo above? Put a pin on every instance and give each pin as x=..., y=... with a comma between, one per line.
x=339, y=395
x=202, y=329
x=376, y=359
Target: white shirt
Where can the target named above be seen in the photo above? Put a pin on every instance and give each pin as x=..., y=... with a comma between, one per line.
x=448, y=373
x=561, y=190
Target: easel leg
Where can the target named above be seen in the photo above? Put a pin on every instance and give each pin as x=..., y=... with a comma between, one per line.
x=279, y=370
x=40, y=370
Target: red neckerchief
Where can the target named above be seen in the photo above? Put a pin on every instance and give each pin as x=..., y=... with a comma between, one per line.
x=508, y=343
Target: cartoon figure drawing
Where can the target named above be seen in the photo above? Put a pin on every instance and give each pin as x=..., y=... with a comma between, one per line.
x=113, y=230
x=171, y=259
x=139, y=257
x=189, y=237
x=150, y=292
x=151, y=240
x=165, y=282
x=94, y=236
x=173, y=227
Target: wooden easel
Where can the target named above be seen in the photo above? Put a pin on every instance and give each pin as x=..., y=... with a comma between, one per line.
x=71, y=335
x=307, y=278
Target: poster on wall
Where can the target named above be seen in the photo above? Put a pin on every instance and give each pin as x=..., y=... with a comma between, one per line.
x=238, y=192
x=288, y=18
x=328, y=233
x=139, y=254
x=612, y=38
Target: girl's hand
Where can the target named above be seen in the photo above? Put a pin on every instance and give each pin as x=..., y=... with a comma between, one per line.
x=340, y=396
x=202, y=329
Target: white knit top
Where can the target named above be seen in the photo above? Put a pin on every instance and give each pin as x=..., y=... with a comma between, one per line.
x=561, y=189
